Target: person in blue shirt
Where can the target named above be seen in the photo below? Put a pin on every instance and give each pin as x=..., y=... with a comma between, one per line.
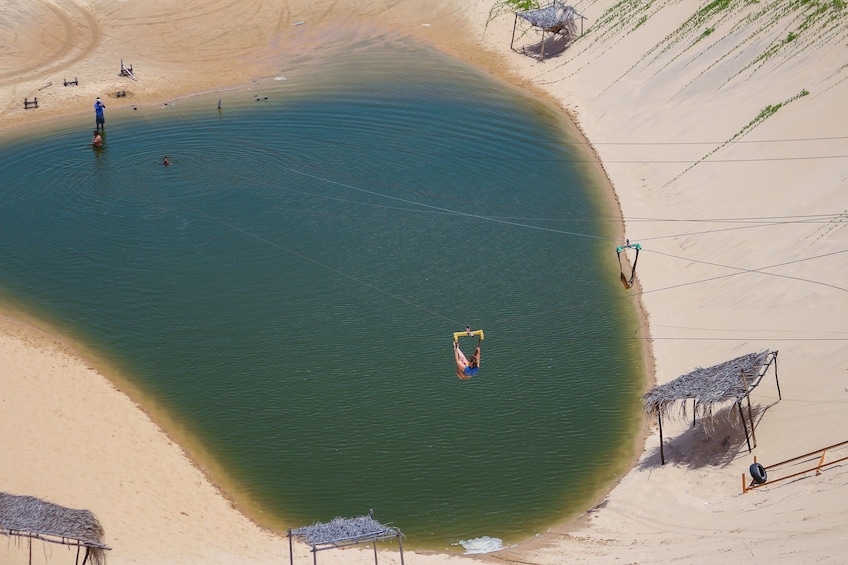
x=466, y=367
x=99, y=118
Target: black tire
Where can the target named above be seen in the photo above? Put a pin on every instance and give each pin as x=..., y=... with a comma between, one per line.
x=758, y=473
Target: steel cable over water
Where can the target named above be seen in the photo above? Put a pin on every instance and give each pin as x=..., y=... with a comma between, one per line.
x=301, y=329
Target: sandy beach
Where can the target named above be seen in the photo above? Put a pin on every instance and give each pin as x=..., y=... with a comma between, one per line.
x=722, y=130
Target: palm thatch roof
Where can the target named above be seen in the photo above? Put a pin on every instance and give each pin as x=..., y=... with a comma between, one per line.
x=341, y=532
x=729, y=381
x=708, y=387
x=31, y=517
x=555, y=17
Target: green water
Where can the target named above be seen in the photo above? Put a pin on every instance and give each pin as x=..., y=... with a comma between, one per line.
x=288, y=288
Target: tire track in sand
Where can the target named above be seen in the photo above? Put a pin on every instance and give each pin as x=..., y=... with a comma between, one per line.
x=80, y=35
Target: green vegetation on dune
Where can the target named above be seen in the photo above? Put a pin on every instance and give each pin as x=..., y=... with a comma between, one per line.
x=769, y=110
x=765, y=113
x=788, y=26
x=728, y=40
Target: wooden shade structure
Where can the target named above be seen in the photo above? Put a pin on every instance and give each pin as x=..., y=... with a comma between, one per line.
x=731, y=381
x=33, y=518
x=343, y=532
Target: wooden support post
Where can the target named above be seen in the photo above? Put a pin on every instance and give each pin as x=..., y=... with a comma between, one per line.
x=514, y=25
x=821, y=462
x=400, y=545
x=542, y=50
x=375, y=551
x=744, y=425
x=662, y=453
x=127, y=71
x=745, y=487
x=291, y=549
x=750, y=412
x=693, y=412
x=779, y=397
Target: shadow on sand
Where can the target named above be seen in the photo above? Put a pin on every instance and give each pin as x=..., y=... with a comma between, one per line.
x=714, y=441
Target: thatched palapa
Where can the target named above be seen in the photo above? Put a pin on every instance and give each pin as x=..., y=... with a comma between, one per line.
x=33, y=518
x=554, y=19
x=731, y=381
x=341, y=532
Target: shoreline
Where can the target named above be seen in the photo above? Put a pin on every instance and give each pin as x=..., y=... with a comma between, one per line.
x=189, y=446
x=486, y=61
x=691, y=510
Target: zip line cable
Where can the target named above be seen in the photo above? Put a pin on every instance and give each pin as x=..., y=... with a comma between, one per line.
x=446, y=210
x=501, y=158
x=510, y=221
x=505, y=220
x=805, y=217
x=739, y=270
x=822, y=217
x=572, y=142
x=383, y=149
x=487, y=218
x=477, y=216
x=422, y=207
x=762, y=221
x=294, y=253
x=315, y=262
x=742, y=270
x=720, y=230
x=752, y=339
x=737, y=142
x=513, y=222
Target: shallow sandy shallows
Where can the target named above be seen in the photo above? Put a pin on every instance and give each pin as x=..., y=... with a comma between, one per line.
x=724, y=136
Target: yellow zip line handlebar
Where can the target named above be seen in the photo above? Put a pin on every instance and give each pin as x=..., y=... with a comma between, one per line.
x=478, y=333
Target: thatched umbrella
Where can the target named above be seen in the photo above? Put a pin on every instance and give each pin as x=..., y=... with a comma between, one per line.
x=555, y=18
x=33, y=518
x=341, y=532
x=729, y=381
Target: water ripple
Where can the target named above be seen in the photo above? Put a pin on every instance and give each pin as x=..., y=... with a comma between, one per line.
x=289, y=286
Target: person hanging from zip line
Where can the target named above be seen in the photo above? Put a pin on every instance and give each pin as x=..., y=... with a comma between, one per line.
x=466, y=367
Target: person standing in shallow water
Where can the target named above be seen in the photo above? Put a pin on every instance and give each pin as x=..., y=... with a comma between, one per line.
x=96, y=140
x=99, y=117
x=165, y=161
